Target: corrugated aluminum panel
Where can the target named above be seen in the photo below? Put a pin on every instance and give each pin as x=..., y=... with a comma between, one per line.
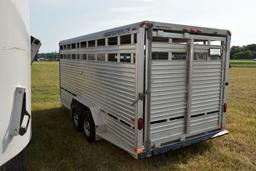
x=167, y=131
x=204, y=123
x=206, y=86
x=168, y=100
x=110, y=85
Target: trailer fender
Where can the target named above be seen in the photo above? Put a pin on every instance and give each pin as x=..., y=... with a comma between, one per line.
x=95, y=111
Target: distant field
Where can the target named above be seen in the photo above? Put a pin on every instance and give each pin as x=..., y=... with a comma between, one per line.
x=243, y=62
x=56, y=145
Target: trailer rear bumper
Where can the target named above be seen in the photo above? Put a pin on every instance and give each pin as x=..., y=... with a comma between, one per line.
x=187, y=142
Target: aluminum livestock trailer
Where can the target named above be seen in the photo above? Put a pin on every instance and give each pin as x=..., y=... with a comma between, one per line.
x=148, y=87
x=17, y=49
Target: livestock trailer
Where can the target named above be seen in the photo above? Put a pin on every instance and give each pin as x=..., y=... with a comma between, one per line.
x=17, y=49
x=148, y=87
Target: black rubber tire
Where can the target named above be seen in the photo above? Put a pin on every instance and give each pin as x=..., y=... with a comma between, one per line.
x=77, y=116
x=90, y=134
x=18, y=163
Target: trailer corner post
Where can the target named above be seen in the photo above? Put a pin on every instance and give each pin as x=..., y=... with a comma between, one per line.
x=148, y=88
x=226, y=68
x=139, y=85
x=222, y=83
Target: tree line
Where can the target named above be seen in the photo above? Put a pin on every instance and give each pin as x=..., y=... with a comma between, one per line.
x=52, y=56
x=243, y=52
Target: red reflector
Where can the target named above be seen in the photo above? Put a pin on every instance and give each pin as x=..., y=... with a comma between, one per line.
x=225, y=107
x=143, y=24
x=134, y=29
x=193, y=30
x=140, y=123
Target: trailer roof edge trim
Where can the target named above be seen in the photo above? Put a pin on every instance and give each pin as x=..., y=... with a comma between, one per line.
x=156, y=25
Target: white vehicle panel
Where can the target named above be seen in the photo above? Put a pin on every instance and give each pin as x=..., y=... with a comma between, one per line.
x=15, y=71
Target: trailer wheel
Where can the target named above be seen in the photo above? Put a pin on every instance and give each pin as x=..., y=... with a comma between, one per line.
x=89, y=126
x=76, y=115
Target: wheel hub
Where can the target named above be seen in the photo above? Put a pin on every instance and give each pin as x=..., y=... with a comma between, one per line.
x=87, y=128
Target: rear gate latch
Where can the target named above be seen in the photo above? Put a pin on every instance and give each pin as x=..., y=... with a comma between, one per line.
x=140, y=97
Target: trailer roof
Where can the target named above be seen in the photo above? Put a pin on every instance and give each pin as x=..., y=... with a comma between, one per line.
x=156, y=25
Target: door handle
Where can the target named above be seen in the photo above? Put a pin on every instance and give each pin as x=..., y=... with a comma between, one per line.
x=24, y=123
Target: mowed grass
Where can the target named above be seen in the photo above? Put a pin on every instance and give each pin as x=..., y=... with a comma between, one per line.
x=56, y=145
x=243, y=62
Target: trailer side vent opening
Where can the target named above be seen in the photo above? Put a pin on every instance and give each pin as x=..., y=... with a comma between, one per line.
x=148, y=87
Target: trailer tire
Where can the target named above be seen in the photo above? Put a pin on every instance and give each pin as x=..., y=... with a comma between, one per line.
x=89, y=126
x=76, y=116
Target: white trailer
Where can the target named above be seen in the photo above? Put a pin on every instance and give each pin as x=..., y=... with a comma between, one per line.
x=15, y=87
x=148, y=87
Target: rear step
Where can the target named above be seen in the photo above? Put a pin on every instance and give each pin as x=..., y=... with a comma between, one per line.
x=187, y=142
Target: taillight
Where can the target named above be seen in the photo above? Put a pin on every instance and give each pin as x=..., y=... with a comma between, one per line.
x=140, y=123
x=138, y=150
x=225, y=107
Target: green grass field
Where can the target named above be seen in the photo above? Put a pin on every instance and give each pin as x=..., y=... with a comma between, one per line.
x=55, y=144
x=242, y=62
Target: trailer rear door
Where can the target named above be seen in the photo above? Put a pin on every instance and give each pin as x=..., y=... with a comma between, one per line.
x=187, y=72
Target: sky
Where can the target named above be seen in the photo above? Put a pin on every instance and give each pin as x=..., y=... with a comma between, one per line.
x=55, y=20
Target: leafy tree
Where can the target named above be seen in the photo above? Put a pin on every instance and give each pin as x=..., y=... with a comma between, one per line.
x=234, y=50
x=251, y=47
x=244, y=52
x=247, y=54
